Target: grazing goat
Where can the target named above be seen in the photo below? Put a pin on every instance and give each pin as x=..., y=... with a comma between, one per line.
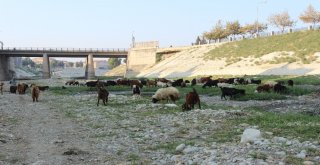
x=13, y=89
x=263, y=88
x=171, y=93
x=151, y=83
x=103, y=95
x=211, y=83
x=135, y=82
x=231, y=92
x=123, y=82
x=111, y=83
x=239, y=81
x=193, y=82
x=22, y=87
x=205, y=79
x=43, y=88
x=230, y=80
x=183, y=84
x=192, y=98
x=143, y=81
x=70, y=82
x=92, y=83
x=35, y=92
x=278, y=88
x=1, y=87
x=177, y=82
x=135, y=90
x=290, y=83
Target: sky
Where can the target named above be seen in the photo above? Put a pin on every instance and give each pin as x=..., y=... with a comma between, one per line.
x=111, y=23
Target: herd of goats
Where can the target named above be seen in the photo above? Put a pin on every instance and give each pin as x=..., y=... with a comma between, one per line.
x=167, y=90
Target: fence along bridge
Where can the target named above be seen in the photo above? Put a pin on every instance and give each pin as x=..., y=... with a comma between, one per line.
x=7, y=66
x=64, y=52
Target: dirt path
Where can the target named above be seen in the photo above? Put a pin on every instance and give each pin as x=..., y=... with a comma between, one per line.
x=35, y=133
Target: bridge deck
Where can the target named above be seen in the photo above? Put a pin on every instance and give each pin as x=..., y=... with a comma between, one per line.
x=64, y=52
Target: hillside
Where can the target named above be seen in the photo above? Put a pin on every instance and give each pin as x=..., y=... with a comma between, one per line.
x=290, y=54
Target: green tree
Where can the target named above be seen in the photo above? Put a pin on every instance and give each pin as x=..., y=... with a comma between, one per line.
x=79, y=64
x=70, y=64
x=252, y=28
x=233, y=28
x=114, y=62
x=218, y=31
x=310, y=15
x=208, y=36
x=28, y=62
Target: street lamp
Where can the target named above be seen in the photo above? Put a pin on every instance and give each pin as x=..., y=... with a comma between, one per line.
x=257, y=24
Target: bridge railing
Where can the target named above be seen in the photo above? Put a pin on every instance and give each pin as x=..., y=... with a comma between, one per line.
x=48, y=49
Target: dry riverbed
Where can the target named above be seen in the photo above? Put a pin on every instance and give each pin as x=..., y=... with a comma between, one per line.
x=71, y=129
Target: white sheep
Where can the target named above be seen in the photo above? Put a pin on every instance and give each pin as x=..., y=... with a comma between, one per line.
x=171, y=93
x=161, y=84
x=221, y=85
x=271, y=83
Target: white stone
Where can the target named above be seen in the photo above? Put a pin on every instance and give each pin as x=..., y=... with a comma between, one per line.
x=39, y=162
x=170, y=105
x=269, y=133
x=308, y=163
x=302, y=154
x=180, y=147
x=250, y=135
x=279, y=139
x=189, y=150
x=288, y=143
x=280, y=154
x=261, y=162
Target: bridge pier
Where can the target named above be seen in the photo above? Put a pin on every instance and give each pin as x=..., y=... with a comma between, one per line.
x=90, y=72
x=86, y=68
x=45, y=67
x=4, y=68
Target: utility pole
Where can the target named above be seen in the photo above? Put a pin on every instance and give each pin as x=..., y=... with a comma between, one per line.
x=257, y=23
x=133, y=40
x=1, y=45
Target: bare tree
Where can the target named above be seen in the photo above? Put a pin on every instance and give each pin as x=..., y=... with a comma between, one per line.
x=281, y=20
x=310, y=15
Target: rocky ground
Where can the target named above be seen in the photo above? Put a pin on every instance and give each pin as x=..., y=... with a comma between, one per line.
x=72, y=129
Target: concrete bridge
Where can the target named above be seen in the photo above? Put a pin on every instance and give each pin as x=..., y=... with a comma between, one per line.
x=7, y=66
x=140, y=56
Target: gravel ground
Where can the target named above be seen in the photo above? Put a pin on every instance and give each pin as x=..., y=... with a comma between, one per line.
x=71, y=129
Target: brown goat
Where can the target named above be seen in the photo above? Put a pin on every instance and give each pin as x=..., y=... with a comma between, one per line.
x=205, y=79
x=264, y=88
x=192, y=98
x=35, y=92
x=151, y=83
x=103, y=95
x=22, y=87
